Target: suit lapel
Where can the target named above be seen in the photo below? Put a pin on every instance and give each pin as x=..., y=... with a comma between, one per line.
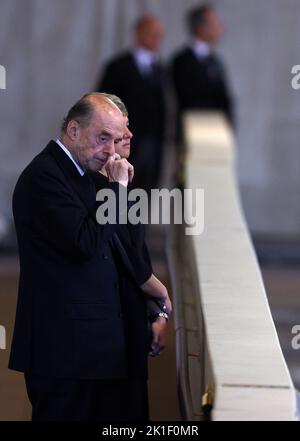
x=82, y=185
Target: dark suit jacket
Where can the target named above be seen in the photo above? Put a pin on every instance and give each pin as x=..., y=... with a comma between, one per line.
x=132, y=239
x=73, y=317
x=201, y=84
x=131, y=244
x=142, y=95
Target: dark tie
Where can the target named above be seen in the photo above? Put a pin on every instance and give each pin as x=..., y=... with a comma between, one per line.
x=153, y=73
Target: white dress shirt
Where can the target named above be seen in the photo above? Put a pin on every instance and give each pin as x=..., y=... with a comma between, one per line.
x=67, y=152
x=201, y=48
x=144, y=59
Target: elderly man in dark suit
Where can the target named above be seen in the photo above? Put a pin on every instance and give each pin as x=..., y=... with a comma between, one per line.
x=198, y=73
x=74, y=339
x=137, y=77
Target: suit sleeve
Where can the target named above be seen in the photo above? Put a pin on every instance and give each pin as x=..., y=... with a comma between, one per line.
x=142, y=265
x=136, y=252
x=139, y=249
x=154, y=306
x=133, y=241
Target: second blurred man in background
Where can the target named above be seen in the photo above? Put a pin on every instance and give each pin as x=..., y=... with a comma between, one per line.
x=137, y=77
x=198, y=73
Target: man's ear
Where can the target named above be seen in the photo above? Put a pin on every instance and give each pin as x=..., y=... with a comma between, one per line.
x=72, y=130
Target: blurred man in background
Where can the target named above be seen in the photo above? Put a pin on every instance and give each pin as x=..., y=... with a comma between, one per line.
x=198, y=73
x=136, y=76
x=3, y=228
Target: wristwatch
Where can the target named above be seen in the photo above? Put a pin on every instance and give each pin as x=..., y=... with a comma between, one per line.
x=161, y=314
x=156, y=308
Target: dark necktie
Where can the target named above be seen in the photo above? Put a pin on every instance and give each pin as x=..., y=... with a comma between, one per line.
x=153, y=73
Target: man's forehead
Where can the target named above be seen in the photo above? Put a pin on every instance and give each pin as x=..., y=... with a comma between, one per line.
x=112, y=126
x=108, y=118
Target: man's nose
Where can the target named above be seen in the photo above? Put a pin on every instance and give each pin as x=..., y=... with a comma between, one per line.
x=110, y=147
x=128, y=134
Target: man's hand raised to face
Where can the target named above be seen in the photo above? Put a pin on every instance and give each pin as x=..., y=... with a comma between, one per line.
x=119, y=170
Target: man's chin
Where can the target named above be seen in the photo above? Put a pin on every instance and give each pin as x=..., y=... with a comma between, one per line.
x=97, y=165
x=125, y=153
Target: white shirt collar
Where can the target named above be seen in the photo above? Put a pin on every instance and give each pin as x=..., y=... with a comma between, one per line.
x=144, y=58
x=201, y=48
x=67, y=152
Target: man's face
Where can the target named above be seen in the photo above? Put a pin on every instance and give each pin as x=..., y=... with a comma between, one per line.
x=93, y=145
x=150, y=35
x=213, y=29
x=123, y=148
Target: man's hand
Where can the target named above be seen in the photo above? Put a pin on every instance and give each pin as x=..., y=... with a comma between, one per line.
x=154, y=288
x=119, y=170
x=168, y=304
x=159, y=336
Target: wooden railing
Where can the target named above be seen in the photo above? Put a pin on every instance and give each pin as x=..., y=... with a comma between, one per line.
x=229, y=361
